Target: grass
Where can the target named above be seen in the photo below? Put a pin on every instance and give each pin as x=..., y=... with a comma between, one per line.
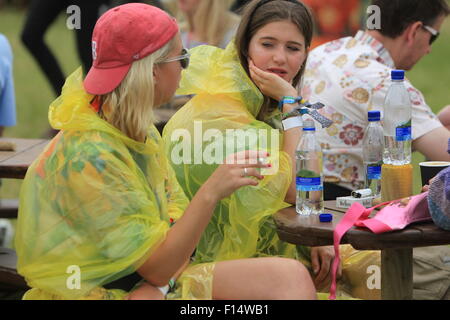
x=34, y=94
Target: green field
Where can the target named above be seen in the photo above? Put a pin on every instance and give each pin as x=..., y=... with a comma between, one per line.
x=33, y=92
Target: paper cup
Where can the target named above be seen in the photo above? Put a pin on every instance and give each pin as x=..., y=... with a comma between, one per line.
x=429, y=169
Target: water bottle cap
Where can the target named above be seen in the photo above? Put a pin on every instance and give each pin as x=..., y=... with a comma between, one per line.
x=374, y=115
x=398, y=74
x=308, y=125
x=326, y=217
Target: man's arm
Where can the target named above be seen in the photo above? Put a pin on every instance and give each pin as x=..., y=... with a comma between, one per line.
x=444, y=116
x=434, y=144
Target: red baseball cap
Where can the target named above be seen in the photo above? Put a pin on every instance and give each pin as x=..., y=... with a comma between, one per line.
x=122, y=35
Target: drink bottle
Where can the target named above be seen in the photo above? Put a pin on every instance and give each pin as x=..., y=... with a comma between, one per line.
x=373, y=153
x=309, y=180
x=397, y=122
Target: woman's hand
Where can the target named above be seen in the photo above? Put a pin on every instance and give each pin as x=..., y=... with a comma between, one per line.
x=270, y=84
x=322, y=261
x=426, y=187
x=236, y=172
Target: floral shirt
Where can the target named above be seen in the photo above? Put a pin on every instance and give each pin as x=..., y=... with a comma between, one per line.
x=351, y=76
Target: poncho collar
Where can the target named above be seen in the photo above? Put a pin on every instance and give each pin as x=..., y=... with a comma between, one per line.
x=210, y=72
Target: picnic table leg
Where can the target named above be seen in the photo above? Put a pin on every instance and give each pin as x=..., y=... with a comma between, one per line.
x=397, y=274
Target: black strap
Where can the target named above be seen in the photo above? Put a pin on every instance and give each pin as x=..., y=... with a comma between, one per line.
x=126, y=283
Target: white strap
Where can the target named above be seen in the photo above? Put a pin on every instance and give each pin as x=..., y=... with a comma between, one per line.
x=292, y=122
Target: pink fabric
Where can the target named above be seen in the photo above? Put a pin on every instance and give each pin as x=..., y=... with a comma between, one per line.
x=398, y=214
x=351, y=216
x=395, y=216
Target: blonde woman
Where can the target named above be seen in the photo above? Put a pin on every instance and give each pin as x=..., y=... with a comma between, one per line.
x=101, y=212
x=207, y=22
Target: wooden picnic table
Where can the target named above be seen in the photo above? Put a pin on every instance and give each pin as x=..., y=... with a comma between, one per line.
x=396, y=247
x=14, y=164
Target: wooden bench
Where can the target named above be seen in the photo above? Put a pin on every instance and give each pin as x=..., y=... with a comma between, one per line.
x=9, y=278
x=9, y=208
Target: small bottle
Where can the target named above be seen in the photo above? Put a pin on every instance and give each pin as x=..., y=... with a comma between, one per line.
x=309, y=180
x=397, y=122
x=373, y=153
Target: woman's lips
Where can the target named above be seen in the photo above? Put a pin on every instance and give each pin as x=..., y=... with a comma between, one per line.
x=278, y=72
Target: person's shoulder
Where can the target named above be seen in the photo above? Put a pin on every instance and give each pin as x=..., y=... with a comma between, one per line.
x=4, y=42
x=5, y=47
x=3, y=38
x=331, y=46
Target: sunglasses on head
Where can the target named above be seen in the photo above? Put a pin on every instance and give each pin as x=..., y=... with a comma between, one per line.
x=434, y=33
x=183, y=58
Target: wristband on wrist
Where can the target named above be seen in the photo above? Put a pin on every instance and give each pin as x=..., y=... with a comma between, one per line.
x=298, y=111
x=292, y=122
x=288, y=100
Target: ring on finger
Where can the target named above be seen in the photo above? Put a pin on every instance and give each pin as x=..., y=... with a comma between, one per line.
x=245, y=173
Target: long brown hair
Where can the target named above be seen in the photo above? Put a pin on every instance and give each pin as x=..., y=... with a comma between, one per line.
x=259, y=13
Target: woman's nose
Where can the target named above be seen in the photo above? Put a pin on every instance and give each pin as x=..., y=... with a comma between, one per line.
x=279, y=56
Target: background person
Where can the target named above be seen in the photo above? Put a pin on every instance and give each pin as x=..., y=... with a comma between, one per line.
x=7, y=95
x=207, y=22
x=41, y=14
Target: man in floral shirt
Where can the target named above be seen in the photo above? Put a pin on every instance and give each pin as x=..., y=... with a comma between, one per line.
x=351, y=76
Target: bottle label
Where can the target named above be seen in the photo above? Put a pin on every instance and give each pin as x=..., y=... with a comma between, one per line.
x=374, y=172
x=403, y=133
x=309, y=184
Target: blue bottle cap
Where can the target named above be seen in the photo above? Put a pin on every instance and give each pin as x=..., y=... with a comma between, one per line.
x=397, y=74
x=374, y=115
x=326, y=217
x=309, y=125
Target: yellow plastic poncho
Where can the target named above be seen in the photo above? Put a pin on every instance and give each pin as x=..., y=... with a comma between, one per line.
x=225, y=98
x=97, y=203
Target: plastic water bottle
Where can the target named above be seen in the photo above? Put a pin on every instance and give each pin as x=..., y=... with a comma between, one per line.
x=373, y=153
x=309, y=180
x=397, y=122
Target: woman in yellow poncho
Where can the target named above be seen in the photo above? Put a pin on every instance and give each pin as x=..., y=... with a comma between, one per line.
x=100, y=209
x=239, y=88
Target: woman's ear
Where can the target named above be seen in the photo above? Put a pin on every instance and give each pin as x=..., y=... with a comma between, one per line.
x=156, y=72
x=154, y=75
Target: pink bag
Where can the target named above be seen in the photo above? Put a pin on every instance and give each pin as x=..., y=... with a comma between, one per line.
x=395, y=216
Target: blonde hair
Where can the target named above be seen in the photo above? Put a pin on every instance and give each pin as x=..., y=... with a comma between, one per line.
x=129, y=107
x=212, y=20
